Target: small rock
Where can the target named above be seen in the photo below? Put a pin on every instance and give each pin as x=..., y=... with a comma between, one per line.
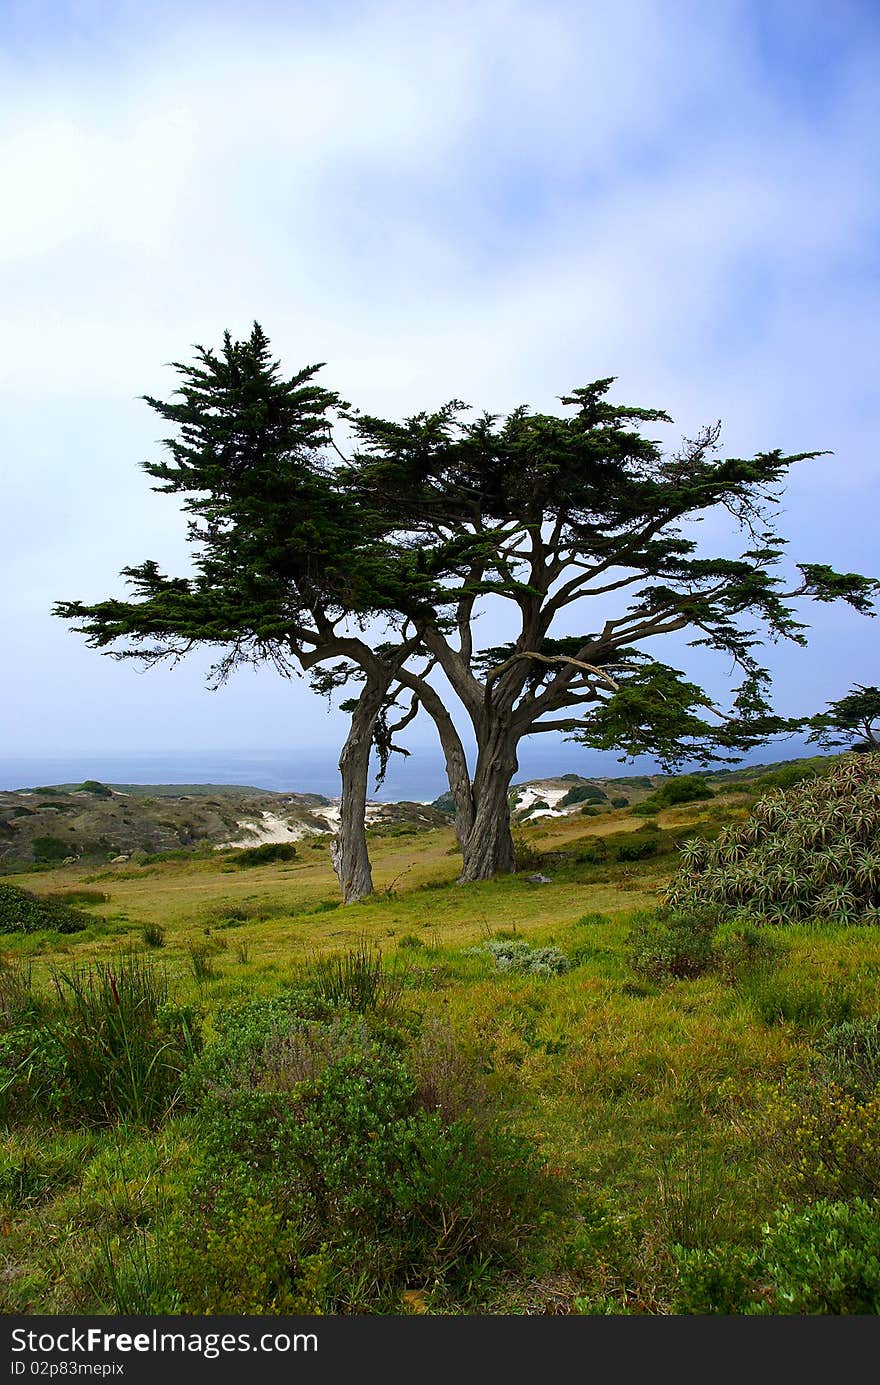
x=115, y=860
x=539, y=879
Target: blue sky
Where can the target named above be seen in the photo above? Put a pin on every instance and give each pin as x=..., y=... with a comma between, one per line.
x=493, y=201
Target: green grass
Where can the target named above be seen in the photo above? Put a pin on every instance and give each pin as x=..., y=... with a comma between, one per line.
x=650, y=1102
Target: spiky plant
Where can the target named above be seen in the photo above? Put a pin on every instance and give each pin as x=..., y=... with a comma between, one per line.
x=806, y=852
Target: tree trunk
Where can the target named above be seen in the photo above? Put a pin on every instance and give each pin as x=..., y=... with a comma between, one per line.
x=348, y=852
x=488, y=848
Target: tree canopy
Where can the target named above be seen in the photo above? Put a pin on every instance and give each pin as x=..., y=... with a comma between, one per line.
x=853, y=721
x=376, y=568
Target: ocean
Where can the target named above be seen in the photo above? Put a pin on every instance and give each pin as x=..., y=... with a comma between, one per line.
x=419, y=778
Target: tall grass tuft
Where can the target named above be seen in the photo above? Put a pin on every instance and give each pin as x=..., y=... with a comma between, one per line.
x=358, y=980
x=120, y=1061
x=689, y=1192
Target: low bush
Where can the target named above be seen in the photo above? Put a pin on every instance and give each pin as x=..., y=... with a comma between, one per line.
x=850, y=1056
x=526, y=856
x=332, y=1184
x=49, y=849
x=583, y=793
x=21, y=911
x=672, y=944
x=625, y=847
x=828, y=1139
x=683, y=788
x=265, y=854
x=519, y=956
x=676, y=944
x=820, y=1259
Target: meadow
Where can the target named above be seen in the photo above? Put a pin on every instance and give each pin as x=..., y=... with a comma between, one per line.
x=446, y=1099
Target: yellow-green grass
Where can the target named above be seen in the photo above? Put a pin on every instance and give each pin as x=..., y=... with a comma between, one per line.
x=625, y=1087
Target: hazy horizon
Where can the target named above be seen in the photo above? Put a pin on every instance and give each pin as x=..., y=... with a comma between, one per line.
x=419, y=779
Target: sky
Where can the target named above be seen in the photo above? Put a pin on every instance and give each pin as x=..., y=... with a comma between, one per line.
x=493, y=201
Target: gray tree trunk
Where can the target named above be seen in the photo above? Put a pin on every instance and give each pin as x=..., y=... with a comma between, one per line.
x=487, y=850
x=348, y=852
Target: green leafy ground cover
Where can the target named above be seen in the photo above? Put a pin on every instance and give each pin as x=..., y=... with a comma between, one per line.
x=286, y=1106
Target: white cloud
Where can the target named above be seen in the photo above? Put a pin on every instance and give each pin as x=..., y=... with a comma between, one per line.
x=497, y=202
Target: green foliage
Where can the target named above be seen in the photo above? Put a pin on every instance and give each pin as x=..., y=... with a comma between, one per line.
x=619, y=802
x=820, y=1259
x=526, y=856
x=671, y=944
x=323, y=1182
x=808, y=852
x=828, y=1138
x=787, y=775
x=35, y=1165
x=519, y=956
x=625, y=847
x=201, y=958
x=265, y=854
x=739, y=949
x=24, y=912
x=583, y=793
x=153, y=935
x=850, y=1056
x=852, y=721
x=359, y=980
x=75, y=898
x=107, y=1048
x=679, y=944
x=49, y=849
x=801, y=1001
x=690, y=1187
x=94, y=787
x=682, y=788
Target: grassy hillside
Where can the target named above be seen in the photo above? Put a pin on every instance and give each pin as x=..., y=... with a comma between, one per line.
x=584, y=1135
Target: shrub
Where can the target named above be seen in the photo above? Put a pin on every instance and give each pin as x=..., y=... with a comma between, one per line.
x=93, y=786
x=350, y=1185
x=739, y=948
x=526, y=856
x=850, y=1056
x=522, y=957
x=49, y=849
x=683, y=788
x=590, y=810
x=821, y=1259
x=672, y=943
x=807, y=852
x=265, y=854
x=828, y=1140
x=583, y=793
x=448, y=1079
x=21, y=911
x=153, y=935
x=620, y=802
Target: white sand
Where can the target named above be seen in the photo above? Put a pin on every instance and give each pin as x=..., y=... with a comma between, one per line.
x=551, y=794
